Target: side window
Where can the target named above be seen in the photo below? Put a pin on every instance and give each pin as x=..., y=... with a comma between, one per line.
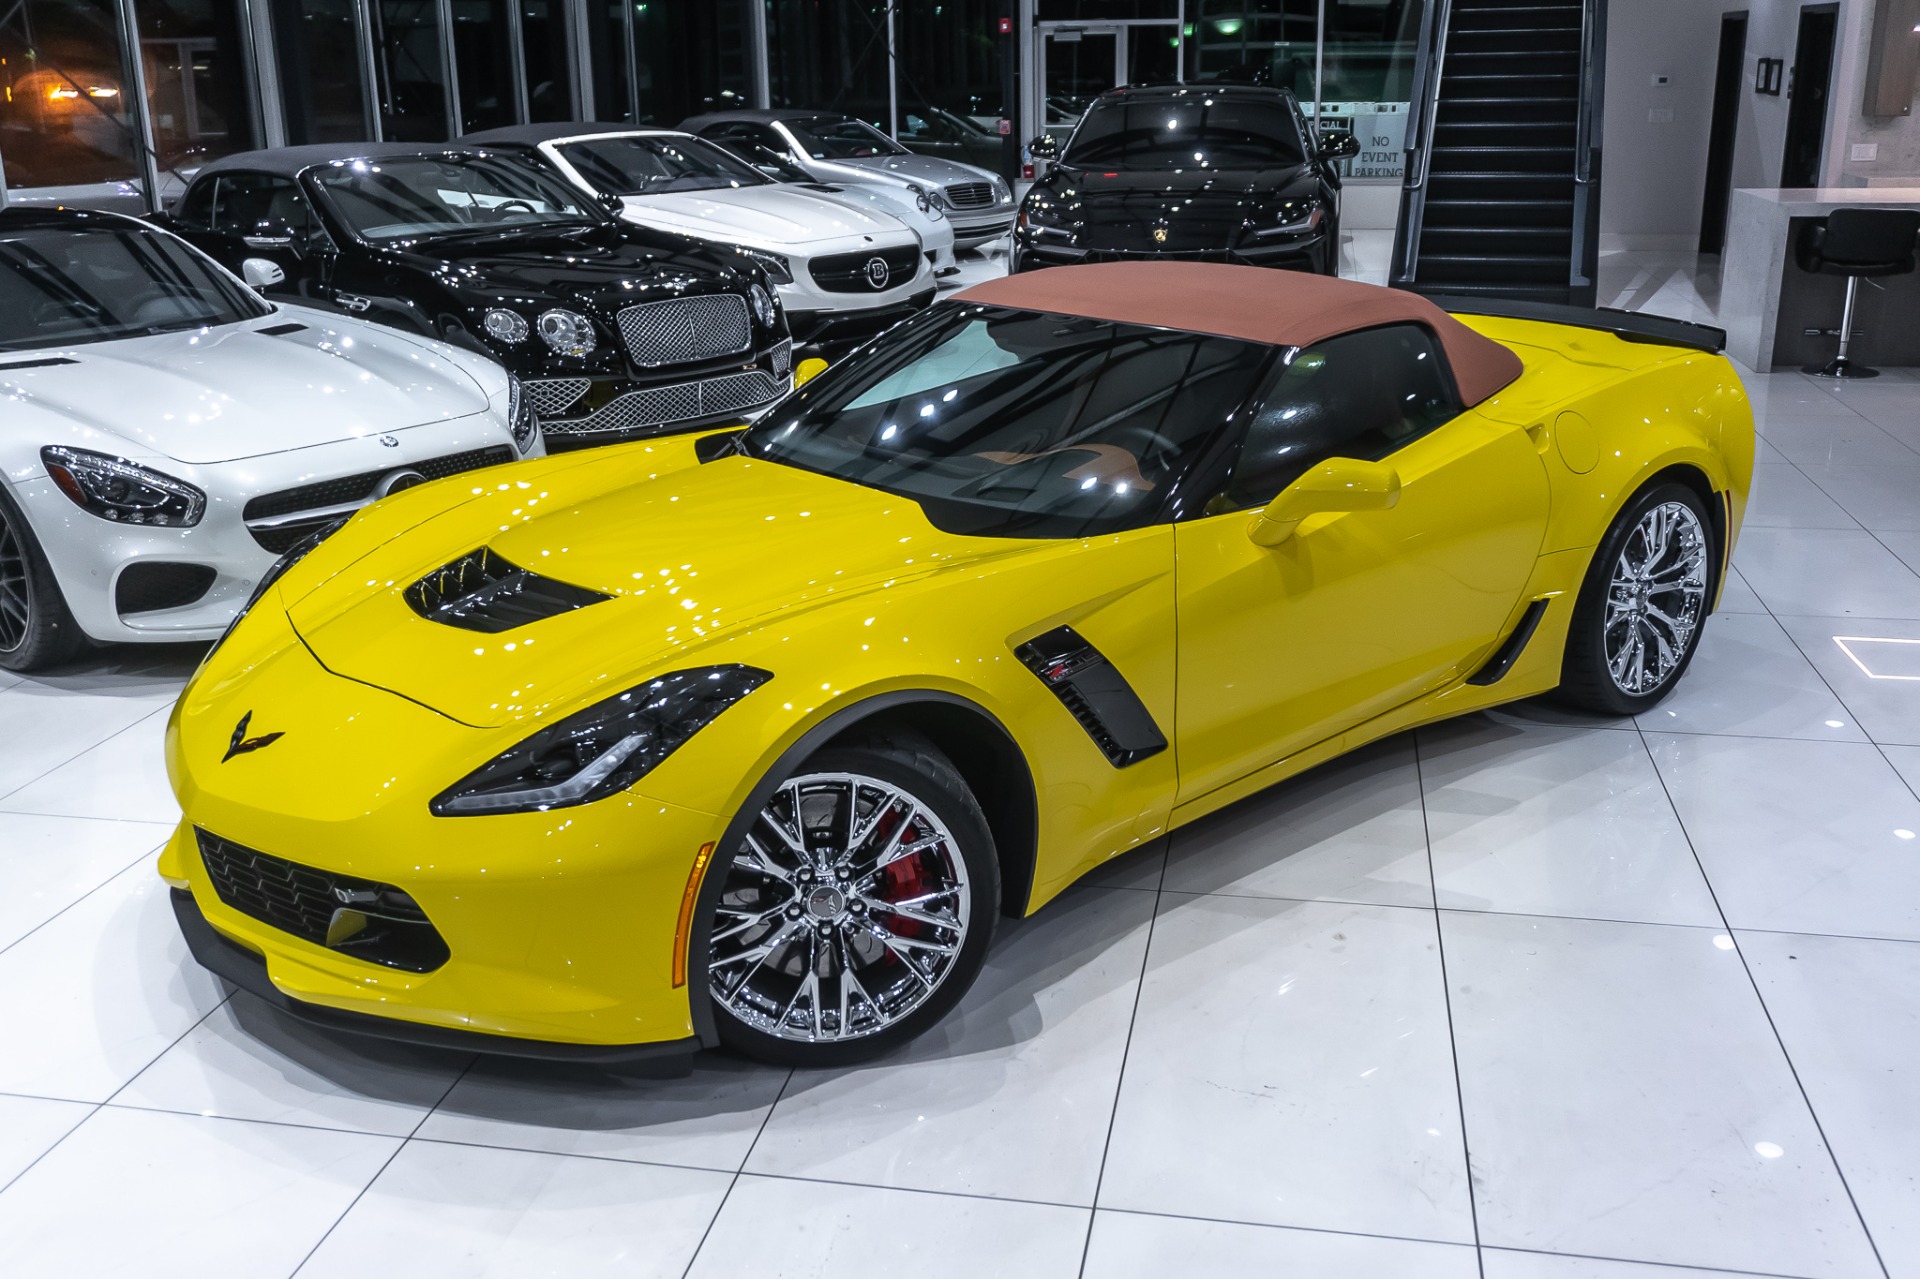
x=1362, y=395
x=245, y=200
x=196, y=207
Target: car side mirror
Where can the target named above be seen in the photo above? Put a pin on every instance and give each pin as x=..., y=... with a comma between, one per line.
x=808, y=370
x=612, y=203
x=1338, y=144
x=1044, y=147
x=1337, y=484
x=261, y=274
x=269, y=234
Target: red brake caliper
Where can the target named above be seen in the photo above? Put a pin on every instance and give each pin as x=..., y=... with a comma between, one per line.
x=903, y=881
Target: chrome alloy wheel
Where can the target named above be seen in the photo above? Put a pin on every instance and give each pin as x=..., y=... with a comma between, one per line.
x=16, y=588
x=1656, y=598
x=843, y=911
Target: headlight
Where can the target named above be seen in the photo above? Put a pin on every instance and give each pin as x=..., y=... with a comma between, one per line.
x=778, y=269
x=568, y=333
x=1296, y=217
x=520, y=416
x=1037, y=222
x=602, y=750
x=1002, y=191
x=507, y=326
x=762, y=303
x=118, y=490
x=927, y=204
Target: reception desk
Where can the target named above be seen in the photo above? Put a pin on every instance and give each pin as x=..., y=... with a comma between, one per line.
x=1768, y=304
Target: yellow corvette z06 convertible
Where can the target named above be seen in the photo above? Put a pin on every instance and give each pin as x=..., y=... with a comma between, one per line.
x=748, y=738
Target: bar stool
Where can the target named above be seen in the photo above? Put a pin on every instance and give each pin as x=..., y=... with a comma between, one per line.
x=1859, y=244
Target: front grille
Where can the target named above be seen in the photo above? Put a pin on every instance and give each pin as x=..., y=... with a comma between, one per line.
x=970, y=195
x=148, y=587
x=847, y=272
x=781, y=357
x=682, y=329
x=681, y=402
x=359, y=917
x=555, y=396
x=324, y=497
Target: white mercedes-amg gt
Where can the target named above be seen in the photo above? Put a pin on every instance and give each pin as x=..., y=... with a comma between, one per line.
x=166, y=434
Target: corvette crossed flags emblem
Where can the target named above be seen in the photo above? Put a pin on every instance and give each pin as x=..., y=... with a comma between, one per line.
x=241, y=744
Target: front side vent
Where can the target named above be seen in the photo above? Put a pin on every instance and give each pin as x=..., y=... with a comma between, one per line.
x=149, y=586
x=1095, y=693
x=482, y=592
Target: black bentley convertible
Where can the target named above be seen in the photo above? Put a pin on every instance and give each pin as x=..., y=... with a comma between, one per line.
x=617, y=331
x=1215, y=172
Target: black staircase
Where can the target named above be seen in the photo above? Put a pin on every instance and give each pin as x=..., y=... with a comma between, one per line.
x=1503, y=176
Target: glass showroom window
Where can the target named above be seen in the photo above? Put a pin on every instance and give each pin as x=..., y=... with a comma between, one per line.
x=483, y=53
x=317, y=43
x=412, y=70
x=63, y=112
x=828, y=54
x=197, y=83
x=549, y=58
x=1366, y=61
x=949, y=71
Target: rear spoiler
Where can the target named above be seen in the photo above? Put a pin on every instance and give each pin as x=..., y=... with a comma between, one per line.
x=1628, y=326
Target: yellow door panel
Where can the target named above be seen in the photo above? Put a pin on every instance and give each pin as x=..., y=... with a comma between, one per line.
x=1357, y=611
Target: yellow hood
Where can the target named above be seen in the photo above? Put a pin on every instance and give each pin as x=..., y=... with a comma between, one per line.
x=689, y=553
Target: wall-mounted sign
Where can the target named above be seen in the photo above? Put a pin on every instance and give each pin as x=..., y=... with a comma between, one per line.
x=1767, y=78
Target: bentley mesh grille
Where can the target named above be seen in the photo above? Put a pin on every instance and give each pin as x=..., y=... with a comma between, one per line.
x=681, y=402
x=349, y=489
x=554, y=396
x=970, y=195
x=847, y=272
x=382, y=924
x=682, y=329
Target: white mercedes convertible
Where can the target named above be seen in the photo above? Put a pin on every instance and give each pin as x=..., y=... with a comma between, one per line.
x=166, y=434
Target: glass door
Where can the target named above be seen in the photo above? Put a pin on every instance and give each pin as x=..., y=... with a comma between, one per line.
x=1080, y=64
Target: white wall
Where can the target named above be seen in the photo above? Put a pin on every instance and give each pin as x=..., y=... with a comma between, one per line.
x=1655, y=173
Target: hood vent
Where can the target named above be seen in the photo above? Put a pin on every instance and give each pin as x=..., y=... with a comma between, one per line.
x=281, y=330
x=482, y=592
x=46, y=362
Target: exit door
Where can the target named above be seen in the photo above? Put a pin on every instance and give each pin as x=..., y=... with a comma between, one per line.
x=1081, y=61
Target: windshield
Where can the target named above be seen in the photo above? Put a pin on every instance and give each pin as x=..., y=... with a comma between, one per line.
x=654, y=166
x=411, y=197
x=94, y=284
x=829, y=137
x=1191, y=132
x=1019, y=424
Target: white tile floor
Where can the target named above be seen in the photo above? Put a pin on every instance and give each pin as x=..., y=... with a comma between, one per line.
x=1525, y=996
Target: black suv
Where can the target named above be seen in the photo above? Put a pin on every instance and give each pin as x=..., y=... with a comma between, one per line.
x=1219, y=172
x=617, y=331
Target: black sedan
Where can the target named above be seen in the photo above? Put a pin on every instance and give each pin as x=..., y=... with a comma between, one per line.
x=618, y=331
x=1221, y=172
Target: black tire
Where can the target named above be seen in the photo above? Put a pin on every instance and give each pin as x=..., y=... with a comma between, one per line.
x=833, y=929
x=1587, y=678
x=37, y=630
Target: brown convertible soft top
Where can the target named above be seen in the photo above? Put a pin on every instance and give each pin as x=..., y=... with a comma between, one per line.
x=1259, y=304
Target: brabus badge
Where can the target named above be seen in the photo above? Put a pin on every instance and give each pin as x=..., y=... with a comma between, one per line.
x=241, y=744
x=878, y=272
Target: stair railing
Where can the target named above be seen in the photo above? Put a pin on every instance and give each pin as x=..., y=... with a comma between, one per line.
x=1423, y=112
x=1584, y=269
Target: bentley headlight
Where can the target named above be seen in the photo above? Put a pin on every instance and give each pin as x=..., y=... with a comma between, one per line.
x=122, y=491
x=521, y=419
x=506, y=326
x=778, y=269
x=568, y=333
x=602, y=750
x=762, y=303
